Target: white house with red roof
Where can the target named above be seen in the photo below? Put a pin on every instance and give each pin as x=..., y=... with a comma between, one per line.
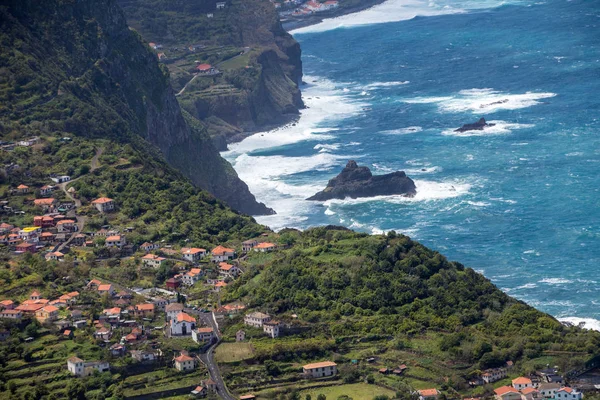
x=182, y=325
x=228, y=270
x=104, y=204
x=221, y=253
x=568, y=393
x=204, y=334
x=320, y=369
x=152, y=260
x=507, y=393
x=521, y=383
x=115, y=241
x=184, y=363
x=265, y=247
x=193, y=254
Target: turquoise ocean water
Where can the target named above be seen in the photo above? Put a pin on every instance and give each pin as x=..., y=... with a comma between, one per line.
x=519, y=201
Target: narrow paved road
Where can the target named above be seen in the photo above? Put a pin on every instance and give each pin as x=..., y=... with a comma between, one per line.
x=209, y=357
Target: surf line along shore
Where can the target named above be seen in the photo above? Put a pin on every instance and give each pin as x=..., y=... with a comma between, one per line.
x=292, y=23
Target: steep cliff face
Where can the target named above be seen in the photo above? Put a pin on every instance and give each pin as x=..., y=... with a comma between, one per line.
x=265, y=98
x=75, y=67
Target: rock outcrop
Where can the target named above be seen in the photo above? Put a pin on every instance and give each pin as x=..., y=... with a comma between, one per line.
x=477, y=126
x=355, y=181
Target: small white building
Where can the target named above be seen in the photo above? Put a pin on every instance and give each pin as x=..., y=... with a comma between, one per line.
x=493, y=375
x=104, y=204
x=240, y=336
x=191, y=277
x=320, y=369
x=152, y=260
x=256, y=319
x=220, y=5
x=548, y=390
x=271, y=328
x=184, y=363
x=265, y=247
x=228, y=270
x=60, y=179
x=521, y=383
x=568, y=393
x=249, y=244
x=220, y=254
x=193, y=254
x=80, y=368
x=115, y=241
x=203, y=335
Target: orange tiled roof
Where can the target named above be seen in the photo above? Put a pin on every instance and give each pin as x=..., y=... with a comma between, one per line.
x=102, y=200
x=181, y=317
x=220, y=250
x=505, y=389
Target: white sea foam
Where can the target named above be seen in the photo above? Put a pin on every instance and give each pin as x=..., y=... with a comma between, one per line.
x=526, y=286
x=325, y=100
x=401, y=10
x=499, y=128
x=403, y=131
x=264, y=174
x=587, y=323
x=379, y=85
x=556, y=281
x=327, y=148
x=482, y=101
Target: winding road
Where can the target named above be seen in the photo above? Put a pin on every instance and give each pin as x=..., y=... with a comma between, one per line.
x=208, y=358
x=81, y=220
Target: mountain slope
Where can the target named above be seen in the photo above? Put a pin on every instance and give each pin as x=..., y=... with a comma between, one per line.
x=74, y=67
x=259, y=62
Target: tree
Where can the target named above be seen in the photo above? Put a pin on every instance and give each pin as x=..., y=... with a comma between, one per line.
x=75, y=390
x=307, y=397
x=12, y=387
x=321, y=396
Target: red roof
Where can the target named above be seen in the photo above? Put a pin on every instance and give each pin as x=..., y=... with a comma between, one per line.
x=183, y=358
x=22, y=187
x=181, y=317
x=204, y=67
x=145, y=307
x=44, y=202
x=505, y=389
x=114, y=238
x=521, y=381
x=104, y=288
x=528, y=390
x=265, y=245
x=102, y=200
x=224, y=266
x=192, y=250
x=220, y=250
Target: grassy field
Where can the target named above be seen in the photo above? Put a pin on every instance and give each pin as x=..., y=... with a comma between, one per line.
x=358, y=391
x=231, y=352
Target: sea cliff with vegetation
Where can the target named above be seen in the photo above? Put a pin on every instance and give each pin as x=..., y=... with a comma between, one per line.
x=83, y=96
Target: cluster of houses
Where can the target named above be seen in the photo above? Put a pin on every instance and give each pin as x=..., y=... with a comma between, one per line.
x=53, y=227
x=10, y=146
x=44, y=310
x=220, y=256
x=303, y=8
x=524, y=388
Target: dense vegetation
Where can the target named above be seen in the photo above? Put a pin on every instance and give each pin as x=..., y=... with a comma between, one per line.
x=349, y=284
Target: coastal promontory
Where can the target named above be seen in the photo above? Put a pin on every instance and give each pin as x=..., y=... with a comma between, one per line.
x=355, y=181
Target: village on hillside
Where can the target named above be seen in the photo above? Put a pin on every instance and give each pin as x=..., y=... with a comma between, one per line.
x=171, y=317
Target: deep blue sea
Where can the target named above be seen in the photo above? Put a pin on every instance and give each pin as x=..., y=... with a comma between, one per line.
x=519, y=201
